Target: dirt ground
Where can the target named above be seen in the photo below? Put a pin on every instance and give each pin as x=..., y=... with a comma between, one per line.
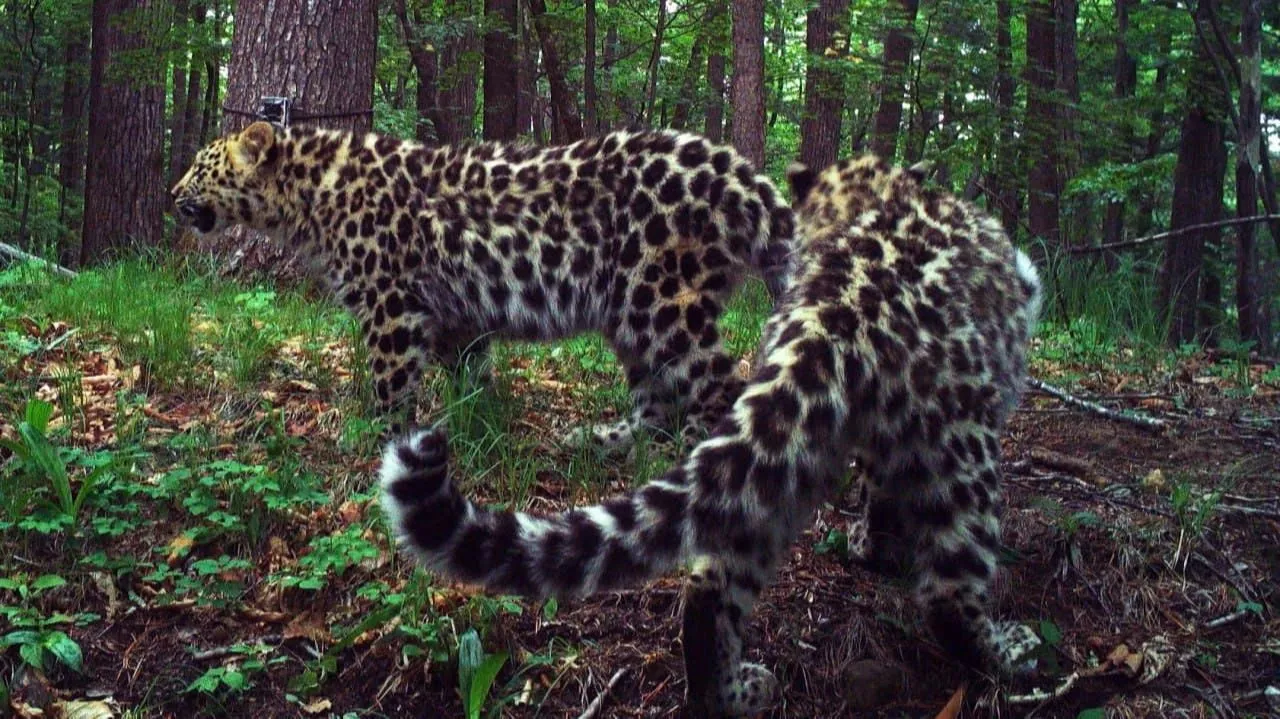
x=1154, y=609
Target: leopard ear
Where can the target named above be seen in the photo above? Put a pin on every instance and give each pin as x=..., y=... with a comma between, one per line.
x=921, y=170
x=802, y=179
x=255, y=141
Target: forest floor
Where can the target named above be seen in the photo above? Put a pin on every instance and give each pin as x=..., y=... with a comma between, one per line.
x=189, y=529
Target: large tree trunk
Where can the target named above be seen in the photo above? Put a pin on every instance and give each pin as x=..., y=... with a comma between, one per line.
x=1197, y=198
x=1043, y=184
x=1006, y=193
x=1126, y=81
x=827, y=29
x=320, y=55
x=500, y=58
x=748, y=79
x=125, y=192
x=718, y=36
x=566, y=127
x=72, y=134
x=1248, y=173
x=897, y=52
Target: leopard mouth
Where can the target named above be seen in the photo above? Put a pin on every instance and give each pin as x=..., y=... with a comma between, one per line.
x=198, y=215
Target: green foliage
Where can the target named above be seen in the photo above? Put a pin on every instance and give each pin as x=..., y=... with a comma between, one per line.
x=40, y=644
x=476, y=673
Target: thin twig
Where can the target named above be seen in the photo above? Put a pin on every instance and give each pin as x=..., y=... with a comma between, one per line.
x=219, y=652
x=597, y=704
x=1118, y=415
x=1173, y=233
x=1225, y=620
x=11, y=251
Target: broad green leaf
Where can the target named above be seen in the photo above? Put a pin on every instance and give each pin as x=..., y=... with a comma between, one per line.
x=482, y=680
x=65, y=649
x=470, y=657
x=1051, y=633
x=22, y=636
x=48, y=581
x=33, y=655
x=1095, y=713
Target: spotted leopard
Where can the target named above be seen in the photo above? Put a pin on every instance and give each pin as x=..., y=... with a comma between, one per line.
x=639, y=235
x=900, y=344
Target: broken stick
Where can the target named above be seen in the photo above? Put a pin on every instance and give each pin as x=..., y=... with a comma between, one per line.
x=1066, y=397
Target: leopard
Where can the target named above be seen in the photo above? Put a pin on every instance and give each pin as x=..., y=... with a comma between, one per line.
x=899, y=347
x=641, y=235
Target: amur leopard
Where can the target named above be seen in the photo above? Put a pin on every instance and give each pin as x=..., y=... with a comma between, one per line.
x=899, y=345
x=640, y=235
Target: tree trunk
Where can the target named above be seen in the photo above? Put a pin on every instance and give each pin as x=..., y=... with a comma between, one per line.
x=72, y=134
x=590, y=99
x=1043, y=184
x=566, y=127
x=1197, y=198
x=320, y=55
x=124, y=191
x=689, y=85
x=456, y=75
x=500, y=58
x=424, y=59
x=191, y=109
x=178, y=118
x=1006, y=193
x=614, y=104
x=1126, y=82
x=897, y=52
x=748, y=79
x=1144, y=223
x=527, y=78
x=1068, y=99
x=827, y=29
x=718, y=37
x=1248, y=172
x=651, y=71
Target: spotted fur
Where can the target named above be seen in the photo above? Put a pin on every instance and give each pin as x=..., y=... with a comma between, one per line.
x=640, y=235
x=900, y=344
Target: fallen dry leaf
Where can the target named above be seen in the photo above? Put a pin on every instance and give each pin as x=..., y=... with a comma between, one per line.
x=318, y=705
x=178, y=547
x=952, y=709
x=78, y=709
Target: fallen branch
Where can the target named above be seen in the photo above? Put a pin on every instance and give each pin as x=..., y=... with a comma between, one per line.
x=1173, y=233
x=14, y=252
x=237, y=648
x=1117, y=415
x=597, y=704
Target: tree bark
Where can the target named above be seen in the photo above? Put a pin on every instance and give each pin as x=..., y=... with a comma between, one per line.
x=424, y=59
x=1043, y=183
x=689, y=84
x=718, y=37
x=178, y=103
x=1144, y=222
x=500, y=58
x=193, y=131
x=651, y=70
x=1067, y=100
x=566, y=127
x=748, y=79
x=1197, y=198
x=456, y=74
x=1248, y=172
x=124, y=191
x=1006, y=193
x=320, y=55
x=826, y=30
x=590, y=98
x=72, y=134
x=1126, y=82
x=897, y=52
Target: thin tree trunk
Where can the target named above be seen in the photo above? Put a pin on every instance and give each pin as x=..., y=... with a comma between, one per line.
x=1068, y=94
x=456, y=75
x=689, y=85
x=748, y=79
x=500, y=56
x=827, y=30
x=651, y=72
x=590, y=98
x=897, y=52
x=1006, y=194
x=612, y=102
x=124, y=192
x=1145, y=220
x=72, y=135
x=566, y=127
x=1126, y=81
x=717, y=28
x=424, y=59
x=1248, y=172
x=178, y=103
x=191, y=109
x=1043, y=182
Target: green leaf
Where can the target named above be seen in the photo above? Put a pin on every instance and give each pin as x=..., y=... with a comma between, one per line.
x=22, y=636
x=37, y=414
x=33, y=655
x=234, y=679
x=482, y=680
x=550, y=608
x=48, y=581
x=65, y=649
x=470, y=656
x=1051, y=634
x=1095, y=713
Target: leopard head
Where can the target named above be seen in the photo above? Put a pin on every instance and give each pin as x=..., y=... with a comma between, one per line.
x=232, y=181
